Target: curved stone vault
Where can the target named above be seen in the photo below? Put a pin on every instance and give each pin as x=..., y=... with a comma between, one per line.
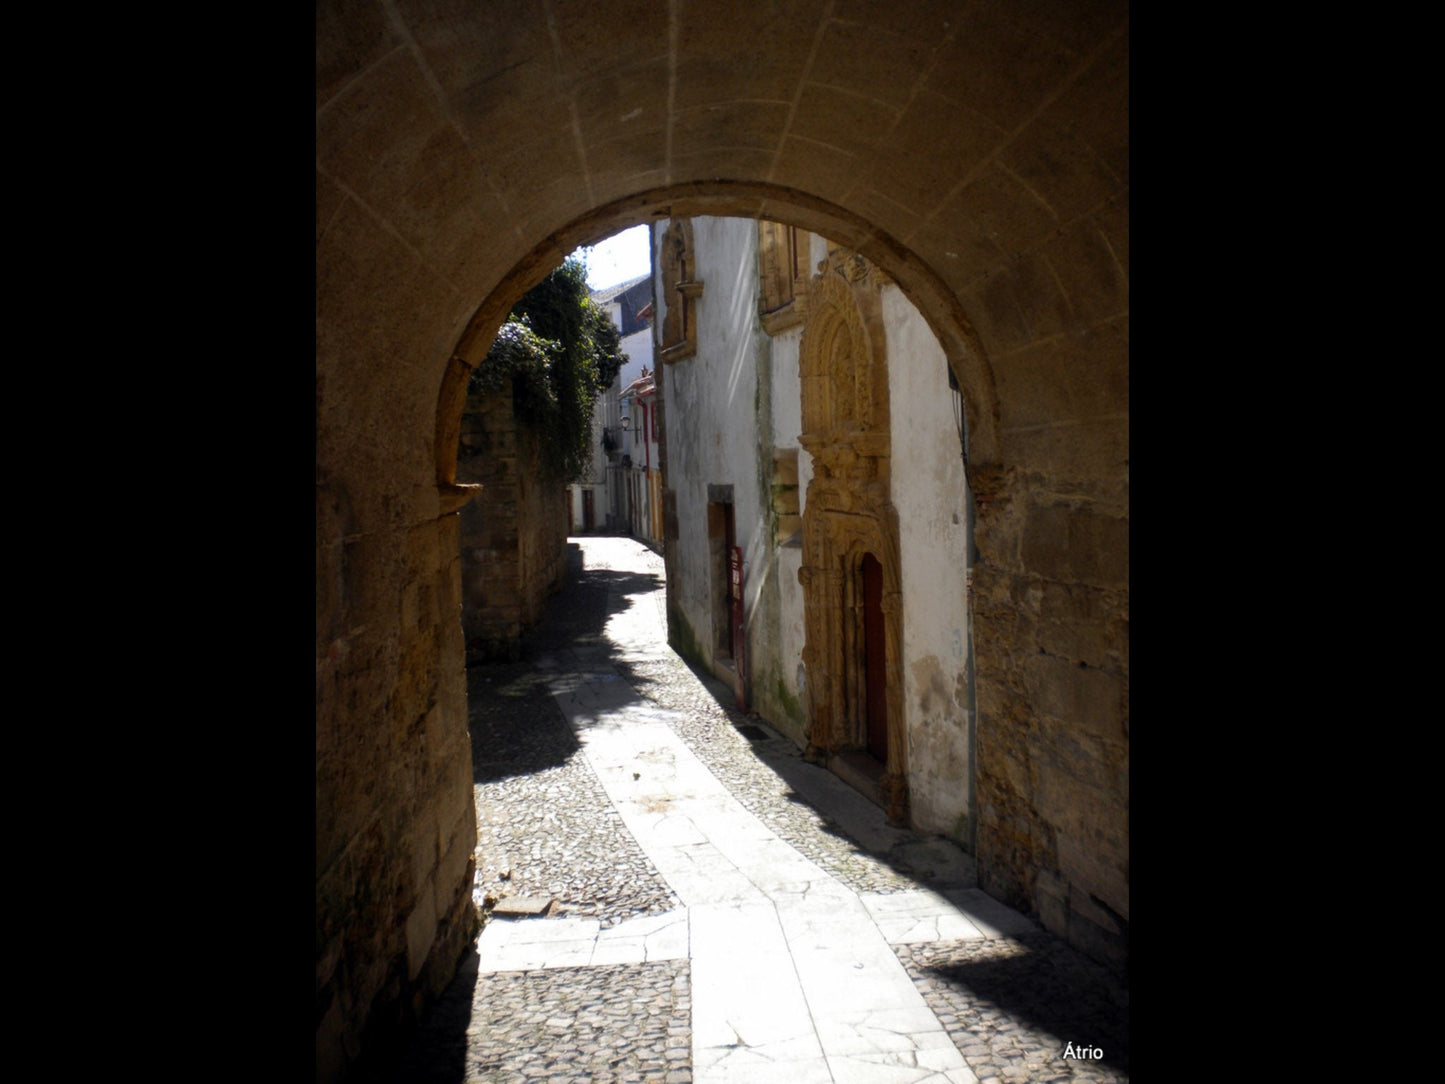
x=976, y=151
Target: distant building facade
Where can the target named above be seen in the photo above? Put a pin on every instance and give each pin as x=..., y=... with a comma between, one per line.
x=598, y=501
x=641, y=463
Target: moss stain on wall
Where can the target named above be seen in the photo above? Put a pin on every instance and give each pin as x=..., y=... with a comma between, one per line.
x=787, y=701
x=681, y=638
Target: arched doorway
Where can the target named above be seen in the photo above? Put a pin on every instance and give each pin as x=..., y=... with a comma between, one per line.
x=850, y=533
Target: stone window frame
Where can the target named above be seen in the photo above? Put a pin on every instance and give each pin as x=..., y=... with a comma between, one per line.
x=681, y=289
x=783, y=274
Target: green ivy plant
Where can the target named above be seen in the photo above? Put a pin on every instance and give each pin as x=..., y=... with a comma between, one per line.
x=560, y=352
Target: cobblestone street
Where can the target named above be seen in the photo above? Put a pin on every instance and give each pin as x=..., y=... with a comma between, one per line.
x=628, y=971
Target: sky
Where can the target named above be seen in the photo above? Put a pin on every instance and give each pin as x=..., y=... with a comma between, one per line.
x=621, y=257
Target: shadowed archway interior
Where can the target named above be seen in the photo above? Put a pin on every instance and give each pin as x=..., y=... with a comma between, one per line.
x=975, y=151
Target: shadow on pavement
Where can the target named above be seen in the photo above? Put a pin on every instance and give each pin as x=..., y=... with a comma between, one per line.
x=516, y=726
x=1048, y=987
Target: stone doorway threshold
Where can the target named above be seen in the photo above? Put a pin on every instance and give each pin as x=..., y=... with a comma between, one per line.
x=860, y=771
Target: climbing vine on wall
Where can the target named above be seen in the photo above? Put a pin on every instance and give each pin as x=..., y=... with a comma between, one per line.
x=560, y=352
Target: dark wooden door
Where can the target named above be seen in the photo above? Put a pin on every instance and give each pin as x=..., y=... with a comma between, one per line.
x=874, y=655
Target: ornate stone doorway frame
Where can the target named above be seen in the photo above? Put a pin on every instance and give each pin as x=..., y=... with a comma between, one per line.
x=848, y=514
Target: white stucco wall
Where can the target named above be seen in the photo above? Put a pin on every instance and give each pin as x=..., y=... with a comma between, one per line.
x=929, y=495
x=638, y=348
x=712, y=431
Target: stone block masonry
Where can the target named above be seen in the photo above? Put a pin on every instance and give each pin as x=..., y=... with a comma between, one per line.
x=513, y=534
x=394, y=820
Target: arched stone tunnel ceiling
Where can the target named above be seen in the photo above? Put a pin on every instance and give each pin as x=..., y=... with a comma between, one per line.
x=977, y=150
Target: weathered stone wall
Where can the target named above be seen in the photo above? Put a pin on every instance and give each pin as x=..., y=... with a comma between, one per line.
x=395, y=825
x=1052, y=582
x=513, y=534
x=541, y=535
x=1051, y=593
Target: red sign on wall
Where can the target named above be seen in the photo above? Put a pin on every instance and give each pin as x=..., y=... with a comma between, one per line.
x=739, y=631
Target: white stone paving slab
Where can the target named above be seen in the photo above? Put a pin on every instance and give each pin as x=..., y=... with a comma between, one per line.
x=907, y=918
x=995, y=919
x=552, y=931
x=531, y=944
x=535, y=955
x=916, y=902
x=643, y=940
x=864, y=1070
x=743, y=1066
x=744, y=990
x=896, y=1036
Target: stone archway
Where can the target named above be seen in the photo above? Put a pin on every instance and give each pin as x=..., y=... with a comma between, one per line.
x=965, y=352
x=975, y=151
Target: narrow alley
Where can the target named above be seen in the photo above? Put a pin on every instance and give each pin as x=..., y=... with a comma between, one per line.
x=673, y=894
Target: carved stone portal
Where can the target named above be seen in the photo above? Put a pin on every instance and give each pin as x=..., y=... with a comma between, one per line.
x=849, y=515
